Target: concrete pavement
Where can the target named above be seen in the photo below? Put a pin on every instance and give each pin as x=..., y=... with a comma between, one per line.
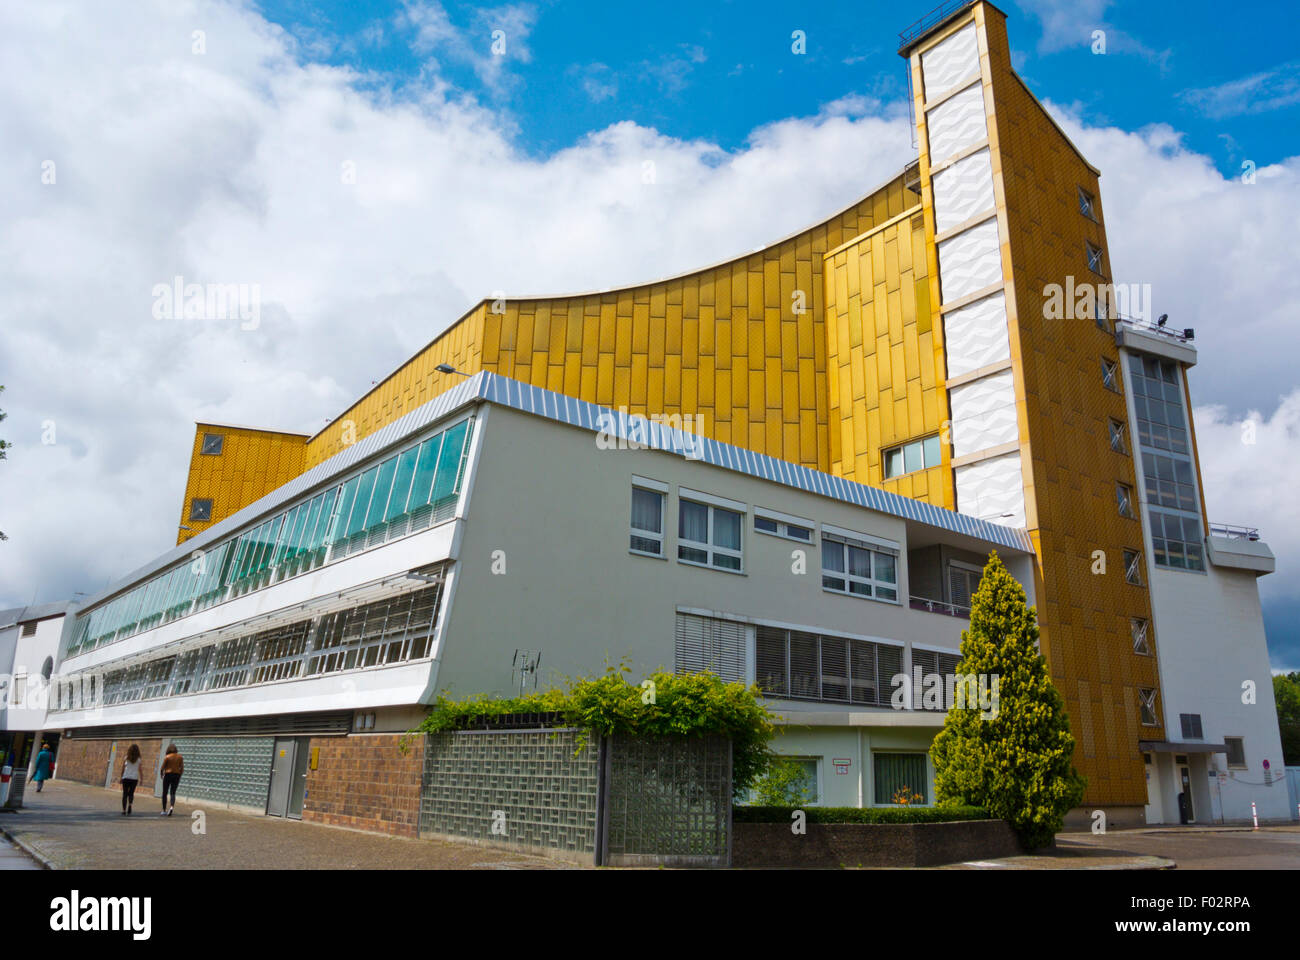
x=75, y=826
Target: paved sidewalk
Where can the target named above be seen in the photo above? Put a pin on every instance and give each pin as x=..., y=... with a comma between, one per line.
x=11, y=858
x=75, y=826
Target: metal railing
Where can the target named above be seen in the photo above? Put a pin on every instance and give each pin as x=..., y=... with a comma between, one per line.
x=1234, y=531
x=1181, y=334
x=930, y=20
x=939, y=606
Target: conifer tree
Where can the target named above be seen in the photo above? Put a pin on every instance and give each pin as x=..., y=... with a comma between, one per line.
x=1013, y=759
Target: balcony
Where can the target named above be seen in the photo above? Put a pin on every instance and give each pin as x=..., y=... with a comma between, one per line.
x=1143, y=336
x=1239, y=547
x=939, y=606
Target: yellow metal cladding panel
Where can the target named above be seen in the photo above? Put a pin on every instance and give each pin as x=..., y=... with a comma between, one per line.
x=885, y=367
x=250, y=465
x=1063, y=408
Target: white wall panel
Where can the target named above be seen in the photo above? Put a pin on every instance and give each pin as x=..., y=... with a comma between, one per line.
x=956, y=123
x=983, y=414
x=970, y=261
x=992, y=490
x=950, y=62
x=976, y=335
x=963, y=190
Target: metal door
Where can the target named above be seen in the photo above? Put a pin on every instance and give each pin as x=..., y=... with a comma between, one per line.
x=283, y=763
x=298, y=792
x=112, y=764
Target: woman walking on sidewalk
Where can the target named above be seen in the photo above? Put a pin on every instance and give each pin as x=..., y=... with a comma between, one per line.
x=44, y=761
x=130, y=777
x=173, y=766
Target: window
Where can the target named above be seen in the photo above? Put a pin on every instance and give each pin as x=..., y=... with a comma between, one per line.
x=1118, y=437
x=212, y=444
x=963, y=581
x=1158, y=397
x=1109, y=374
x=1176, y=541
x=1236, y=752
x=782, y=526
x=708, y=536
x=1094, y=258
x=305, y=535
x=1191, y=724
x=933, y=663
x=1086, y=202
x=29, y=628
x=901, y=778
x=707, y=643
x=859, y=569
x=1133, y=567
x=647, y=522
x=1124, y=500
x=1147, y=707
x=910, y=457
x=808, y=783
x=1139, y=628
x=805, y=666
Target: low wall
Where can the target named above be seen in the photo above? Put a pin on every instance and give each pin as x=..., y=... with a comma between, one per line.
x=366, y=782
x=86, y=761
x=835, y=845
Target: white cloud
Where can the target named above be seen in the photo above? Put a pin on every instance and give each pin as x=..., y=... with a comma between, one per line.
x=1257, y=93
x=1070, y=24
x=1249, y=464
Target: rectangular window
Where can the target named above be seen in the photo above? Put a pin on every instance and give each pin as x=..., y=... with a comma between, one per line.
x=910, y=457
x=708, y=536
x=1236, y=752
x=1133, y=567
x=1118, y=437
x=1147, y=707
x=647, y=522
x=1086, y=202
x=1094, y=258
x=1124, y=500
x=1140, y=629
x=201, y=509
x=859, y=569
x=710, y=644
x=781, y=526
x=1176, y=541
x=805, y=666
x=900, y=778
x=1109, y=375
x=1191, y=724
x=963, y=581
x=1158, y=398
x=212, y=444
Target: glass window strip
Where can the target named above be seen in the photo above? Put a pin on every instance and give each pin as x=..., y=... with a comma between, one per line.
x=246, y=558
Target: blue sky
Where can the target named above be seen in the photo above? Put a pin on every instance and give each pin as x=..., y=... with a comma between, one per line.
x=716, y=71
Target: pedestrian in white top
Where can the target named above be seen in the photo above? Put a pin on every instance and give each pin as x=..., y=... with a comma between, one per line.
x=130, y=777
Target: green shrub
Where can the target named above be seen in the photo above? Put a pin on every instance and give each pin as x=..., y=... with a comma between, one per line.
x=783, y=784
x=782, y=814
x=682, y=705
x=1017, y=763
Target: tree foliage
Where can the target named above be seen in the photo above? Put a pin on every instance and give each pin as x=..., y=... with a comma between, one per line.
x=1015, y=761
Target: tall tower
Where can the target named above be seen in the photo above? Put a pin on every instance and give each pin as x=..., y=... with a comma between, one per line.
x=1013, y=216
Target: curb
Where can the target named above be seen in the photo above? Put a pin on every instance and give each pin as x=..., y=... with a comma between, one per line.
x=45, y=862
